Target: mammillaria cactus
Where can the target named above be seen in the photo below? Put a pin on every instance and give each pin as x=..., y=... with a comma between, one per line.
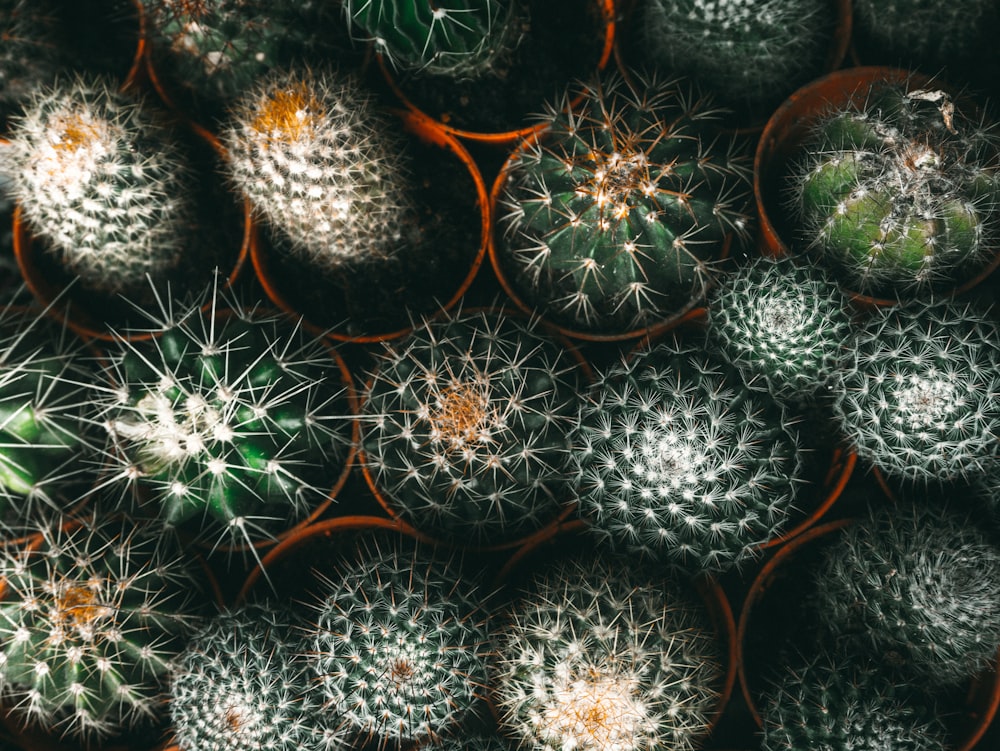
x=91, y=619
x=456, y=38
x=399, y=644
x=917, y=586
x=783, y=321
x=465, y=425
x=901, y=194
x=596, y=656
x=921, y=396
x=104, y=182
x=680, y=459
x=613, y=218
x=237, y=418
x=322, y=166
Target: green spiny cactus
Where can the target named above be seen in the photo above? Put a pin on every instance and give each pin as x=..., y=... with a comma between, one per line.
x=236, y=419
x=614, y=217
x=918, y=587
x=104, y=182
x=748, y=52
x=782, y=321
x=680, y=459
x=833, y=703
x=238, y=687
x=596, y=656
x=91, y=620
x=461, y=39
x=899, y=195
x=399, y=644
x=465, y=425
x=921, y=396
x=322, y=166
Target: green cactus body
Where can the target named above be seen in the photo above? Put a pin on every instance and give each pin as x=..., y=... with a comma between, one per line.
x=91, y=620
x=921, y=397
x=465, y=426
x=748, y=52
x=104, y=182
x=596, y=655
x=901, y=195
x=398, y=645
x=680, y=460
x=322, y=166
x=614, y=217
x=461, y=39
x=238, y=419
x=784, y=322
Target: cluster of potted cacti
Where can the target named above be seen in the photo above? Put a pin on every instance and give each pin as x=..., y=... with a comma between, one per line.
x=286, y=463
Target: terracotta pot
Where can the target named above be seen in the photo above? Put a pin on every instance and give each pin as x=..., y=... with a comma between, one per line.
x=285, y=283
x=504, y=137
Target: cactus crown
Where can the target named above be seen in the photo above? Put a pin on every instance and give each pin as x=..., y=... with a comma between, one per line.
x=614, y=216
x=901, y=194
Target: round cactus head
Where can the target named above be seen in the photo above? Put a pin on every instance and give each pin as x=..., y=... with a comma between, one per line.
x=613, y=218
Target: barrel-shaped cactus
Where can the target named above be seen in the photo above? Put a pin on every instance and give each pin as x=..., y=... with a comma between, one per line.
x=613, y=219
x=900, y=194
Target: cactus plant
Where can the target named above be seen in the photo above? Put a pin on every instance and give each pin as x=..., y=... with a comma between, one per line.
x=680, y=459
x=596, y=655
x=234, y=417
x=465, y=424
x=461, y=39
x=613, y=219
x=749, y=53
x=917, y=586
x=321, y=165
x=900, y=195
x=104, y=182
x=921, y=396
x=398, y=644
x=783, y=321
x=91, y=619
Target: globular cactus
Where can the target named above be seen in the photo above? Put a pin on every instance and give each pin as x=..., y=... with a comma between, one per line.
x=100, y=178
x=748, y=52
x=92, y=618
x=613, y=219
x=921, y=393
x=918, y=587
x=465, y=426
x=238, y=687
x=783, y=321
x=398, y=644
x=235, y=420
x=460, y=39
x=598, y=656
x=901, y=194
x=834, y=702
x=322, y=166
x=680, y=459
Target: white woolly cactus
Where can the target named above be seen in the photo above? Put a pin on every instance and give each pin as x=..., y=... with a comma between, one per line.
x=320, y=164
x=100, y=179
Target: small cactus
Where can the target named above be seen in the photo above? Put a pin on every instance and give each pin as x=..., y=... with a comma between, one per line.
x=460, y=39
x=613, y=219
x=465, y=425
x=104, y=182
x=918, y=587
x=91, y=620
x=398, y=645
x=680, y=459
x=322, y=166
x=921, y=395
x=596, y=656
x=236, y=419
x=900, y=195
